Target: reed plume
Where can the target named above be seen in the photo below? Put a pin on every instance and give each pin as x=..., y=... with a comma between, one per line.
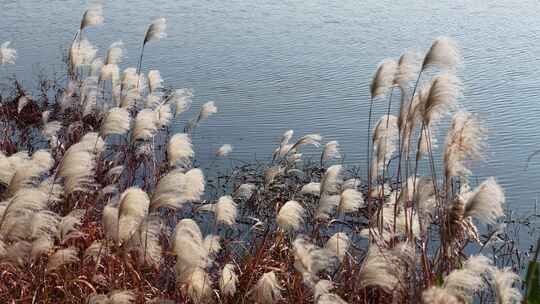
x=155, y=82
x=63, y=257
x=177, y=188
x=182, y=100
x=228, y=280
x=444, y=52
x=486, y=202
x=291, y=216
x=331, y=150
x=331, y=180
x=267, y=290
x=351, y=200
x=311, y=188
x=116, y=121
x=503, y=281
x=464, y=141
x=132, y=210
x=92, y=17
x=309, y=260
x=224, y=150
x=7, y=54
x=338, y=245
x=146, y=125
x=154, y=32
x=180, y=150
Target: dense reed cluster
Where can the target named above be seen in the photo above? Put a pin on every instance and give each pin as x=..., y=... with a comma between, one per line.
x=101, y=202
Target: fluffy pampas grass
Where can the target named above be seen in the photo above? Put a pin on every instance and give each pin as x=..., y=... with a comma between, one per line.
x=192, y=251
x=79, y=163
x=291, y=216
x=441, y=97
x=224, y=150
x=464, y=282
x=503, y=281
x=309, y=259
x=133, y=209
x=117, y=121
x=383, y=79
x=444, y=52
x=385, y=267
x=351, y=200
x=267, y=290
x=82, y=53
x=156, y=30
x=177, y=188
x=331, y=180
x=146, y=125
x=180, y=150
x=155, y=82
x=338, y=245
x=486, y=202
x=331, y=150
x=226, y=211
x=93, y=16
x=7, y=54
x=181, y=98
x=311, y=188
x=114, y=53
x=384, y=143
x=228, y=280
x=63, y=257
x=464, y=141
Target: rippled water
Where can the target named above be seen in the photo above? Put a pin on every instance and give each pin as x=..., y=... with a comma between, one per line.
x=306, y=65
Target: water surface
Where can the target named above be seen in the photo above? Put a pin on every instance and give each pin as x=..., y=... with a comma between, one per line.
x=306, y=65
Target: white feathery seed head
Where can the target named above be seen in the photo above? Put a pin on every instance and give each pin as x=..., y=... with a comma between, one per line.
x=146, y=125
x=155, y=82
x=93, y=16
x=465, y=140
x=310, y=139
x=82, y=52
x=351, y=200
x=486, y=202
x=63, y=257
x=331, y=150
x=383, y=79
x=291, y=216
x=267, y=290
x=503, y=281
x=156, y=30
x=331, y=180
x=327, y=206
x=133, y=208
x=7, y=54
x=117, y=121
x=338, y=245
x=224, y=150
x=444, y=52
x=182, y=100
x=180, y=150
x=408, y=68
x=114, y=53
x=228, y=280
x=245, y=191
x=177, y=188
x=309, y=259
x=163, y=114
x=311, y=188
x=225, y=210
x=441, y=98
x=110, y=222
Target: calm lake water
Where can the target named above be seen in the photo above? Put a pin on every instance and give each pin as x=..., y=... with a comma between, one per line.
x=306, y=65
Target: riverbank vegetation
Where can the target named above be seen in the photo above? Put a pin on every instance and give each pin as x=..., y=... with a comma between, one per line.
x=102, y=203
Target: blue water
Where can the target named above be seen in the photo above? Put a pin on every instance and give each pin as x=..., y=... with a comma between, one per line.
x=306, y=65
